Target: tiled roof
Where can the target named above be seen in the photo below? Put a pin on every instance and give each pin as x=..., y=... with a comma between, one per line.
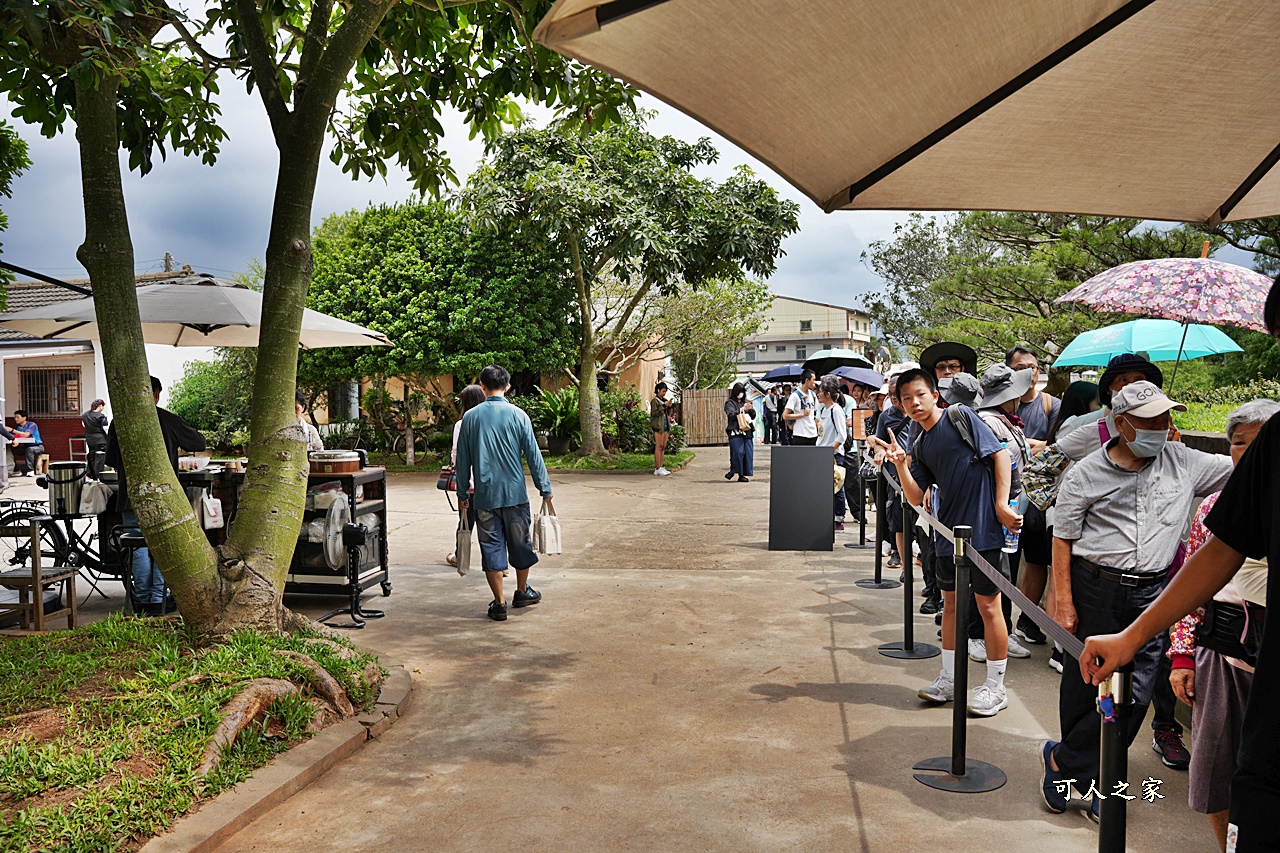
x=24, y=295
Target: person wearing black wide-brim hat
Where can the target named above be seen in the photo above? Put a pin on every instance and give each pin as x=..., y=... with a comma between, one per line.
x=947, y=358
x=1121, y=367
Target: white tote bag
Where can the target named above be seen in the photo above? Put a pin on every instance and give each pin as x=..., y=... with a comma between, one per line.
x=546, y=531
x=462, y=550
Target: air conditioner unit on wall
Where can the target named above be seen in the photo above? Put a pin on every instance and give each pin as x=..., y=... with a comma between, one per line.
x=762, y=347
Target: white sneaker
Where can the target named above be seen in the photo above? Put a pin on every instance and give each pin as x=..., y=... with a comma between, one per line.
x=986, y=701
x=1016, y=649
x=1055, y=660
x=941, y=689
x=662, y=472
x=978, y=650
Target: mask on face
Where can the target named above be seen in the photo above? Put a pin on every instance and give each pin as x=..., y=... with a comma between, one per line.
x=1147, y=443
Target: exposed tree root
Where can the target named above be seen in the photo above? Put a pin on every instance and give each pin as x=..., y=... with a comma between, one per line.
x=198, y=678
x=253, y=699
x=324, y=685
x=372, y=673
x=296, y=623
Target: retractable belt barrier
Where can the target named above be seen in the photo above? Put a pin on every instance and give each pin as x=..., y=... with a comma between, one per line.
x=961, y=774
x=1070, y=643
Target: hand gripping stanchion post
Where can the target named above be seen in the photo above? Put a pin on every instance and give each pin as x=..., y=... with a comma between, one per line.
x=1115, y=704
x=879, y=582
x=908, y=649
x=960, y=774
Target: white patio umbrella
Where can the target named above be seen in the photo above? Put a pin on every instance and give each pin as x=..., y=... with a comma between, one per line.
x=196, y=311
x=1158, y=109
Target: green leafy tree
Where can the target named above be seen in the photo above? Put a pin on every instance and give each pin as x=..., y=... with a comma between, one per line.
x=990, y=280
x=13, y=162
x=451, y=299
x=626, y=204
x=706, y=329
x=214, y=396
x=134, y=74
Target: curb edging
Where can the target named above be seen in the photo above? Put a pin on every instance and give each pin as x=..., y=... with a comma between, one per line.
x=286, y=774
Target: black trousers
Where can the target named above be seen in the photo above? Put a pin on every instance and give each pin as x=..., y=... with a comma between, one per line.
x=1102, y=607
x=770, y=427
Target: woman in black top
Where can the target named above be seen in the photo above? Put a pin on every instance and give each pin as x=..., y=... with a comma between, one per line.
x=95, y=436
x=741, y=452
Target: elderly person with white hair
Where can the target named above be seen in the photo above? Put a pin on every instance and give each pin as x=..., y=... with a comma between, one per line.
x=1216, y=684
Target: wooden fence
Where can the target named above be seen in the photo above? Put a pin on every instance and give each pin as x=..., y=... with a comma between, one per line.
x=703, y=416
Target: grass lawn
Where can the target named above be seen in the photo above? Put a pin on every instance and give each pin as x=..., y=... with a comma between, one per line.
x=616, y=461
x=1202, y=418
x=102, y=728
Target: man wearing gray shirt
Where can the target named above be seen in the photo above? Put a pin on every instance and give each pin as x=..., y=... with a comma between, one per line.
x=1120, y=515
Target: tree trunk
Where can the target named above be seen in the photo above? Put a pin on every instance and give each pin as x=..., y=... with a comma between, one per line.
x=588, y=390
x=408, y=427
x=159, y=501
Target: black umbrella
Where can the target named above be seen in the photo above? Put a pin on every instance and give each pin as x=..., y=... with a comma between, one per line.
x=783, y=373
x=827, y=360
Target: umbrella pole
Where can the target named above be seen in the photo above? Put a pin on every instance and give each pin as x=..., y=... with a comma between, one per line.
x=1176, y=361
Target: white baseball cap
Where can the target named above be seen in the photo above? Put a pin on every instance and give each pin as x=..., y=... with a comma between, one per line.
x=1143, y=399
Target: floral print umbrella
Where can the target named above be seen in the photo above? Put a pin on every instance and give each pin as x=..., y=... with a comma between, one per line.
x=1189, y=290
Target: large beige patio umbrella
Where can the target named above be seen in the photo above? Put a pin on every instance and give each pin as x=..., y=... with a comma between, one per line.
x=195, y=311
x=1160, y=109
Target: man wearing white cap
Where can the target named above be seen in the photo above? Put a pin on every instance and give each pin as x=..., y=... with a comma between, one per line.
x=1120, y=514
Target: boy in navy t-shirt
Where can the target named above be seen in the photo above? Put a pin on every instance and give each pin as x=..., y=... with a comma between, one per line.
x=974, y=491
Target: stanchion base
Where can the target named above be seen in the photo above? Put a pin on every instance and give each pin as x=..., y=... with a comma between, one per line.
x=916, y=652
x=872, y=583
x=858, y=545
x=979, y=776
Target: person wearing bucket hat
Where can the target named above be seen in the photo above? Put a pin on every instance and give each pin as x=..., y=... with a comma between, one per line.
x=947, y=358
x=1243, y=524
x=1002, y=391
x=1110, y=561
x=962, y=389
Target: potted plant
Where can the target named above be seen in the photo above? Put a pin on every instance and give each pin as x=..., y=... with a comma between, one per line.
x=558, y=415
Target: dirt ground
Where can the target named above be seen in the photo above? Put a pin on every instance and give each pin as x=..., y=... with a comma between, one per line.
x=680, y=688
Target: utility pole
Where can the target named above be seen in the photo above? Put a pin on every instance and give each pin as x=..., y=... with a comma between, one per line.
x=168, y=262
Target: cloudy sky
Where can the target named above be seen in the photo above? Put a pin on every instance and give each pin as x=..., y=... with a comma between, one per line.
x=216, y=218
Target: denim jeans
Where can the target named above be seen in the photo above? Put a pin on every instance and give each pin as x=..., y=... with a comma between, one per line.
x=148, y=583
x=742, y=460
x=504, y=536
x=1102, y=607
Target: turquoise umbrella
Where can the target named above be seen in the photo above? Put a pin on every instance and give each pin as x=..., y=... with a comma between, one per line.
x=1161, y=340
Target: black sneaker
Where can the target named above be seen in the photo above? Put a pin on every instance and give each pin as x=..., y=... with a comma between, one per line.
x=527, y=597
x=931, y=606
x=497, y=611
x=1168, y=745
x=937, y=617
x=1030, y=632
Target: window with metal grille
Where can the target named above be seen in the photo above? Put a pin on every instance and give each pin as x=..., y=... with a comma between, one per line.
x=750, y=354
x=802, y=353
x=806, y=325
x=780, y=348
x=50, y=391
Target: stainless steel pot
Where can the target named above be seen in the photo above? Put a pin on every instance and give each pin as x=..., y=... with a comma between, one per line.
x=66, y=479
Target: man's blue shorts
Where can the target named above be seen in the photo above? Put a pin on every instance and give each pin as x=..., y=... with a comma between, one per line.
x=504, y=535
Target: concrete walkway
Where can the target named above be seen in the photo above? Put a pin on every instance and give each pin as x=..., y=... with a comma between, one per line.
x=679, y=688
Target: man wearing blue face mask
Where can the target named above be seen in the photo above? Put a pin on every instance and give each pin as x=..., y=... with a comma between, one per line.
x=1120, y=515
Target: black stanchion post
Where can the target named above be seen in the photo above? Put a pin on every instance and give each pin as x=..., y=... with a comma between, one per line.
x=908, y=649
x=862, y=514
x=1115, y=698
x=882, y=525
x=960, y=773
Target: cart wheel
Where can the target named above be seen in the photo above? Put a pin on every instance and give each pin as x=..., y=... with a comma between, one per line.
x=386, y=588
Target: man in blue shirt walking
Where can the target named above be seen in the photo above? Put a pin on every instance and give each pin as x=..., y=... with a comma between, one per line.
x=493, y=438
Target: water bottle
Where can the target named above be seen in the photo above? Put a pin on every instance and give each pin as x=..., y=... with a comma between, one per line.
x=934, y=501
x=1011, y=538
x=1015, y=490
